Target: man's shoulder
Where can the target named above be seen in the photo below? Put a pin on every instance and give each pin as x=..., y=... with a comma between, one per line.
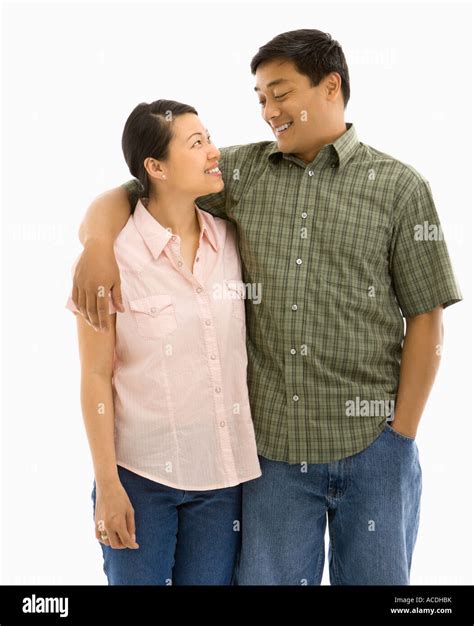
x=404, y=176
x=247, y=150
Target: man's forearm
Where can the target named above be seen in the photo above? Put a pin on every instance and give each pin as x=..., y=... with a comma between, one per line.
x=419, y=365
x=106, y=216
x=98, y=413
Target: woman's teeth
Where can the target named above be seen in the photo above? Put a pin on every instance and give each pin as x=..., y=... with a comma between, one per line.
x=215, y=170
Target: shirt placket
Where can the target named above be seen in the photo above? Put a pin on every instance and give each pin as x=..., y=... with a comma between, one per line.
x=298, y=267
x=297, y=345
x=197, y=279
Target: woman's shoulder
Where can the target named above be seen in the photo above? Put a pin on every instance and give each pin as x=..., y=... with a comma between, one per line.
x=131, y=252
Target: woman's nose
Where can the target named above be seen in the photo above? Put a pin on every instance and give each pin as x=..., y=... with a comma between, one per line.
x=214, y=152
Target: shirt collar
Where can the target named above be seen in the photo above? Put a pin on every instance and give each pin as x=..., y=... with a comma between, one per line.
x=342, y=148
x=156, y=236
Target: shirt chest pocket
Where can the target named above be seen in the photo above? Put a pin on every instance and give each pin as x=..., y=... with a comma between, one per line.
x=154, y=315
x=236, y=292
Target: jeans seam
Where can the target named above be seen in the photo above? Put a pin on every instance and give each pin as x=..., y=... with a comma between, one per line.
x=335, y=569
x=318, y=565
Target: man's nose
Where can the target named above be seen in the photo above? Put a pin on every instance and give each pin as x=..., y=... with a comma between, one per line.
x=271, y=111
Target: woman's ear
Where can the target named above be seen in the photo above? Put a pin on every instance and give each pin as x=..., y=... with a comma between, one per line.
x=154, y=168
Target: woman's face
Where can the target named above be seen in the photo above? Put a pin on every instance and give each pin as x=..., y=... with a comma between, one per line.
x=191, y=156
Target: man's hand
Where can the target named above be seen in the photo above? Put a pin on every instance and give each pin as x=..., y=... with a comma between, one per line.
x=96, y=274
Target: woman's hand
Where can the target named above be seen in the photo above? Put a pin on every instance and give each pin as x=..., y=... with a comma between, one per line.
x=115, y=516
x=95, y=275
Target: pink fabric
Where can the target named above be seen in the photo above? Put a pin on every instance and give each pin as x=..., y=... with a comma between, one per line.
x=182, y=413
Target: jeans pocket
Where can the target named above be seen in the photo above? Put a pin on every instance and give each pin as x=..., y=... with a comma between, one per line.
x=395, y=433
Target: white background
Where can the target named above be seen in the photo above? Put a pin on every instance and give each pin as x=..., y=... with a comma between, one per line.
x=71, y=75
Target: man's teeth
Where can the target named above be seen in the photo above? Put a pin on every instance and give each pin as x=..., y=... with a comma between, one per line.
x=214, y=170
x=280, y=129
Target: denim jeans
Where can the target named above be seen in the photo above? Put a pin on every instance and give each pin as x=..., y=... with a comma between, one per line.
x=185, y=537
x=370, y=500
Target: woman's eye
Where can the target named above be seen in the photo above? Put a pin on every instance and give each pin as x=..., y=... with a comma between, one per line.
x=261, y=103
x=200, y=141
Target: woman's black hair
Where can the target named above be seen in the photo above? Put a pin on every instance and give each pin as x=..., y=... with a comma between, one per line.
x=147, y=134
x=314, y=53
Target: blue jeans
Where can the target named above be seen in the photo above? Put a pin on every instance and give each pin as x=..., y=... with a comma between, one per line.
x=371, y=501
x=185, y=537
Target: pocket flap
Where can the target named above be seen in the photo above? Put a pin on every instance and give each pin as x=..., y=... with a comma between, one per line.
x=152, y=305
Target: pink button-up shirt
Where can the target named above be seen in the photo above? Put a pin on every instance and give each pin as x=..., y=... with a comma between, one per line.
x=182, y=413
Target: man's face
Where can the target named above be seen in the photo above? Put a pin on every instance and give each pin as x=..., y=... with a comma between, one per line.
x=287, y=97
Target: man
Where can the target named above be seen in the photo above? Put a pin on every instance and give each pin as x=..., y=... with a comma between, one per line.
x=333, y=231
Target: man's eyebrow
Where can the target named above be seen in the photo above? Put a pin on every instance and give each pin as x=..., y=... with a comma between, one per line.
x=277, y=81
x=207, y=133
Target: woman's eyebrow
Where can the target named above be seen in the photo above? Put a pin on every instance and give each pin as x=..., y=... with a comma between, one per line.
x=197, y=133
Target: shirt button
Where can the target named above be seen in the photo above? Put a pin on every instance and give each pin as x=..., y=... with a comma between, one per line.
x=299, y=261
x=197, y=259
x=208, y=322
x=311, y=173
x=293, y=351
x=153, y=310
x=218, y=389
x=304, y=215
x=213, y=356
x=222, y=424
x=296, y=398
x=333, y=165
x=290, y=164
x=180, y=263
x=199, y=289
x=173, y=237
x=294, y=307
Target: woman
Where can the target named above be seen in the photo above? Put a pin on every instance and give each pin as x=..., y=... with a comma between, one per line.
x=164, y=393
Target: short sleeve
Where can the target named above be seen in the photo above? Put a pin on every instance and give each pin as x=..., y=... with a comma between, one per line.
x=422, y=274
x=70, y=303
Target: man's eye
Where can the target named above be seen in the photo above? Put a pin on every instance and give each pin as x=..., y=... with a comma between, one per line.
x=281, y=95
x=261, y=103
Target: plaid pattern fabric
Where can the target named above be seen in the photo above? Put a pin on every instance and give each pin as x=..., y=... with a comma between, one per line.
x=335, y=253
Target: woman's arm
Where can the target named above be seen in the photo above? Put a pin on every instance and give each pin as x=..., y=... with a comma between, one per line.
x=97, y=272
x=96, y=352
x=113, y=506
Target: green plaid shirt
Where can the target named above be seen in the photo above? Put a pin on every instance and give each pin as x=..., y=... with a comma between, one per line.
x=341, y=250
